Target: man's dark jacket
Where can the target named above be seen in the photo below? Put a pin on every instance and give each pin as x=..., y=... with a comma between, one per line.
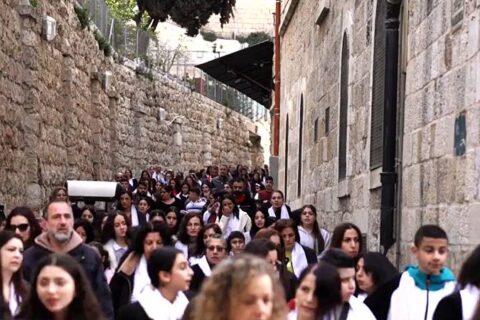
x=84, y=254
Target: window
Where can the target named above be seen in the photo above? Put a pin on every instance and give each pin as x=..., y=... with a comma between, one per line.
x=378, y=89
x=342, y=148
x=327, y=121
x=315, y=131
x=300, y=149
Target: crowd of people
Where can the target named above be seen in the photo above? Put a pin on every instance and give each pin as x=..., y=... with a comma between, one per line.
x=219, y=244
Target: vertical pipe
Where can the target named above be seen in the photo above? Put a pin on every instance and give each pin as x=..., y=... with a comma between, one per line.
x=389, y=175
x=276, y=105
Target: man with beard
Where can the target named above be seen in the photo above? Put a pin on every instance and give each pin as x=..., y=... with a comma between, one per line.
x=61, y=238
x=242, y=197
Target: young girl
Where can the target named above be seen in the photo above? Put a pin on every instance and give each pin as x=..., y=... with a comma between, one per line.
x=279, y=209
x=14, y=290
x=311, y=235
x=115, y=237
x=188, y=233
x=232, y=218
x=60, y=291
x=169, y=274
x=132, y=275
x=347, y=237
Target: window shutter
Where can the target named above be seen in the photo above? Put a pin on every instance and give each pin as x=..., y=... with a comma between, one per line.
x=378, y=87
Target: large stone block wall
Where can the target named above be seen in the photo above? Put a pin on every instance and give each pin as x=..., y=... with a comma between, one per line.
x=440, y=58
x=442, y=83
x=68, y=112
x=311, y=58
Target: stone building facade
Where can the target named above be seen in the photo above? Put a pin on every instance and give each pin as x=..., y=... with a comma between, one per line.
x=68, y=112
x=332, y=85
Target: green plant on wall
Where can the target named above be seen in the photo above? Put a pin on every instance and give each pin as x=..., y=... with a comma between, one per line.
x=103, y=44
x=83, y=17
x=34, y=3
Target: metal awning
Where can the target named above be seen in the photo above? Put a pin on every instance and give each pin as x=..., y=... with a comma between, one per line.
x=248, y=70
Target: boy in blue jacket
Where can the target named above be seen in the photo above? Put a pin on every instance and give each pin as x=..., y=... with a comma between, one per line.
x=414, y=294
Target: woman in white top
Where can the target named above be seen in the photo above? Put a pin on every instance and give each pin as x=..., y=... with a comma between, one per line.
x=169, y=274
x=232, y=218
x=13, y=286
x=115, y=237
x=311, y=235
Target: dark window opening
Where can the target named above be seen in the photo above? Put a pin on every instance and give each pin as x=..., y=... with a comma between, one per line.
x=327, y=121
x=342, y=148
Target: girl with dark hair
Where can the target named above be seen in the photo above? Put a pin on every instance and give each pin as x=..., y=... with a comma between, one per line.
x=232, y=218
x=298, y=257
x=373, y=270
x=318, y=295
x=279, y=209
x=165, y=199
x=88, y=213
x=22, y=221
x=235, y=243
x=311, y=235
x=175, y=187
x=125, y=204
x=206, y=190
x=188, y=233
x=84, y=230
x=260, y=221
x=132, y=276
x=14, y=290
x=464, y=303
x=169, y=274
x=172, y=218
x=347, y=237
x=62, y=277
x=115, y=237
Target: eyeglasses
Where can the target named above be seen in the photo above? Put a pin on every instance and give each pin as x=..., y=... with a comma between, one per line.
x=22, y=227
x=218, y=248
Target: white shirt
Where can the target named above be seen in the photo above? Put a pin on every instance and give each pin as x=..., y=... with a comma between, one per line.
x=158, y=308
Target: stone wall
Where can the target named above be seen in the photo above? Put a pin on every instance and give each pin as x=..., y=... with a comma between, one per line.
x=311, y=67
x=440, y=58
x=68, y=112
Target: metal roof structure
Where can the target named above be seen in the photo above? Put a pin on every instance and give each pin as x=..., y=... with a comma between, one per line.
x=248, y=70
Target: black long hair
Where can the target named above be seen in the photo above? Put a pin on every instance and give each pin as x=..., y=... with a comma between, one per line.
x=108, y=231
x=379, y=267
x=27, y=213
x=469, y=272
x=316, y=228
x=236, y=211
x=84, y=306
x=17, y=278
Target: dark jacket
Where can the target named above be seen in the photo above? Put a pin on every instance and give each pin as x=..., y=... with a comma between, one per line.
x=132, y=311
x=310, y=255
x=84, y=254
x=121, y=284
x=197, y=279
x=379, y=301
x=449, y=308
